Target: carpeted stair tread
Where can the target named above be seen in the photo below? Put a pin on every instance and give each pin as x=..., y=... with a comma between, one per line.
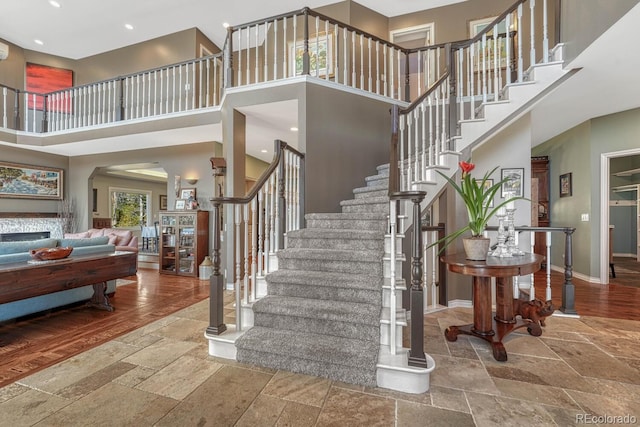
x=326, y=279
x=308, y=346
x=345, y=216
x=331, y=254
x=367, y=201
x=372, y=188
x=328, y=233
x=325, y=310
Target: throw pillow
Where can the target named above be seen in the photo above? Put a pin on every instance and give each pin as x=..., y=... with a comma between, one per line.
x=26, y=246
x=112, y=238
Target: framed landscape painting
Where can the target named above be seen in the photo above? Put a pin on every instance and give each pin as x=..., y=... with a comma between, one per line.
x=30, y=182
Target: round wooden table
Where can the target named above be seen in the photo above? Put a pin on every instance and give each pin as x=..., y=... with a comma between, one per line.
x=485, y=325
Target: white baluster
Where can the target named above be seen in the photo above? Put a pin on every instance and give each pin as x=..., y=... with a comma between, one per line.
x=384, y=76
x=548, y=265
x=362, y=61
x=256, y=67
x=532, y=28
x=423, y=144
x=254, y=253
x=545, y=33
x=4, y=107
x=378, y=67
x=260, y=220
x=284, y=49
x=238, y=272
x=245, y=224
x=248, y=71
x=353, y=59
x=392, y=277
x=519, y=35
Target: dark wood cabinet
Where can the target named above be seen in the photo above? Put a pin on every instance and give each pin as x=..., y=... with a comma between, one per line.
x=184, y=241
x=540, y=200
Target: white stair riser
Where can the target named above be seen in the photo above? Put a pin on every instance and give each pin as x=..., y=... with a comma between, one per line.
x=247, y=317
x=386, y=298
x=387, y=244
x=386, y=269
x=385, y=334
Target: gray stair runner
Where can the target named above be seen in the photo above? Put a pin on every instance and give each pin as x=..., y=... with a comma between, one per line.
x=322, y=313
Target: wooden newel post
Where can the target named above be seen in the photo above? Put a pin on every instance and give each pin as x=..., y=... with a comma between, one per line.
x=568, y=288
x=282, y=210
x=216, y=282
x=306, y=59
x=416, y=353
x=16, y=110
x=228, y=60
x=45, y=114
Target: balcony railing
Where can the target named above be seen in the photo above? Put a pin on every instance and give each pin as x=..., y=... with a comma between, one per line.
x=176, y=88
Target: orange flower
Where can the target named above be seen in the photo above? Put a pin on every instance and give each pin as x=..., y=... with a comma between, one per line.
x=466, y=168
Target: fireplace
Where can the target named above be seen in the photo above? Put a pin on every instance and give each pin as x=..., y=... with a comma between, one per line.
x=26, y=235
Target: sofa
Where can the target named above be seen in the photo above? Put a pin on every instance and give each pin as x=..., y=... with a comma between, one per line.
x=124, y=240
x=11, y=252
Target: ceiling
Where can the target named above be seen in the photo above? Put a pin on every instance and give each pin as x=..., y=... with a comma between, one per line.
x=81, y=28
x=605, y=85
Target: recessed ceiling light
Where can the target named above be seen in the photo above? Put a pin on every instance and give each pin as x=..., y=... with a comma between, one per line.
x=225, y=24
x=38, y=41
x=54, y=3
x=294, y=129
x=263, y=151
x=128, y=26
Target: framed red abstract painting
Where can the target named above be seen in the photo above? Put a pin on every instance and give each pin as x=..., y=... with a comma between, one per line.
x=43, y=79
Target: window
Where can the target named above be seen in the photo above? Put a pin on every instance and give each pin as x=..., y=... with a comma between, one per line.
x=129, y=207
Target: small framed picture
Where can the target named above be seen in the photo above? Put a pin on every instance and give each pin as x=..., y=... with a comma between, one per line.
x=514, y=183
x=566, y=189
x=487, y=185
x=163, y=202
x=180, y=204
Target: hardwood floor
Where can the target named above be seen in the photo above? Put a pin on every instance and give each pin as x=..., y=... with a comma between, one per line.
x=31, y=344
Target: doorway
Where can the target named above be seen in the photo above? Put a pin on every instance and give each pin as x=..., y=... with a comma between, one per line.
x=606, y=247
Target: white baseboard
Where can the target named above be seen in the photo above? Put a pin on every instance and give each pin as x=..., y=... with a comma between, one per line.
x=577, y=275
x=460, y=303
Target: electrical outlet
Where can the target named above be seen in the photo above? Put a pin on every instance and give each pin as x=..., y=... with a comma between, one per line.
x=585, y=217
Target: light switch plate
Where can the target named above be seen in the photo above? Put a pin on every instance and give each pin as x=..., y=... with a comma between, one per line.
x=585, y=217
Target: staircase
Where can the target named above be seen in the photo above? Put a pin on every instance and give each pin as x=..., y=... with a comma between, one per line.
x=323, y=309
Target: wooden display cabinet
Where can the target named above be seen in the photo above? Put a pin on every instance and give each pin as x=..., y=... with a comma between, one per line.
x=540, y=214
x=184, y=241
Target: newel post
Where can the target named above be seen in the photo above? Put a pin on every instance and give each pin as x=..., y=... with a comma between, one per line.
x=16, y=110
x=306, y=60
x=45, y=114
x=568, y=288
x=228, y=60
x=416, y=353
x=282, y=205
x=216, y=282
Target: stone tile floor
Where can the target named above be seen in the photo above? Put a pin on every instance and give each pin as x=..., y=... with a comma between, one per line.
x=161, y=374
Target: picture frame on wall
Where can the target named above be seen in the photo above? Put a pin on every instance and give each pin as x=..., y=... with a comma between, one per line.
x=163, y=202
x=514, y=184
x=487, y=185
x=566, y=186
x=18, y=181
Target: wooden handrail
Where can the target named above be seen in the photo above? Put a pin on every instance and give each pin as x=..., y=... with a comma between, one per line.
x=279, y=147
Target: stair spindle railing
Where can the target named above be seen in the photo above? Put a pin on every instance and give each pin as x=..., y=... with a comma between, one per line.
x=261, y=221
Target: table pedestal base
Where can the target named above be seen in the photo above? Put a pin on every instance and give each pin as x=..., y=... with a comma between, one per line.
x=100, y=300
x=500, y=331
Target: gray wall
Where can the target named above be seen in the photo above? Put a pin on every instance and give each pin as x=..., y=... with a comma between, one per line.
x=579, y=151
x=346, y=137
x=581, y=26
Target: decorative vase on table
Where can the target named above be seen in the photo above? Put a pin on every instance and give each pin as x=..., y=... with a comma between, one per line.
x=476, y=248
